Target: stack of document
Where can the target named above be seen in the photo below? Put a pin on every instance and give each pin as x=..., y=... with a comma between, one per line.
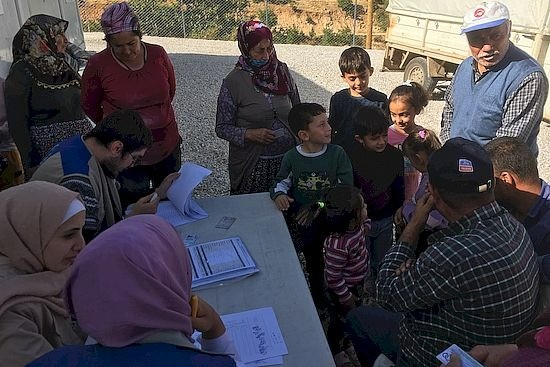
x=257, y=337
x=218, y=261
x=180, y=207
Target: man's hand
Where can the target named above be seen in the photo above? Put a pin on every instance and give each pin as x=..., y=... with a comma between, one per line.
x=166, y=183
x=418, y=220
x=145, y=205
x=283, y=202
x=262, y=135
x=488, y=355
x=422, y=210
x=404, y=267
x=493, y=355
x=208, y=321
x=398, y=218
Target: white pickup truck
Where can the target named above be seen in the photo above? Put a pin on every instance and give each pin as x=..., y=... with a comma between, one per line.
x=13, y=13
x=424, y=40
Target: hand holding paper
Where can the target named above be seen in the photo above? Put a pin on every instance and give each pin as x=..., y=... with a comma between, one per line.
x=181, y=208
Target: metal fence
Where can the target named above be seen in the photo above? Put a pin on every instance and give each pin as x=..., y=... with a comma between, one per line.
x=317, y=22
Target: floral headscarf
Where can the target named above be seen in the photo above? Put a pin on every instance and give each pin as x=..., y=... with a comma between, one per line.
x=272, y=77
x=35, y=44
x=119, y=17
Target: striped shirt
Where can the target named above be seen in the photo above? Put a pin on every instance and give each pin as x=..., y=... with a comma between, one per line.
x=346, y=260
x=476, y=284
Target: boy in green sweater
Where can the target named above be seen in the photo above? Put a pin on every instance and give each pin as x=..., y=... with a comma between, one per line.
x=307, y=172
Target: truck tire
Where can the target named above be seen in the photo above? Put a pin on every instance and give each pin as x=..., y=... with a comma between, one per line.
x=417, y=71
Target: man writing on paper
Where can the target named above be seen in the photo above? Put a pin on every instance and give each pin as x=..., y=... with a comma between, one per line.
x=90, y=163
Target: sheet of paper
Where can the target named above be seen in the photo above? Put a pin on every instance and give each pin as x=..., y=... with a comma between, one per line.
x=256, y=334
x=1, y=7
x=181, y=208
x=181, y=189
x=220, y=260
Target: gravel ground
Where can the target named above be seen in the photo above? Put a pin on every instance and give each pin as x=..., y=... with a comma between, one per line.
x=201, y=66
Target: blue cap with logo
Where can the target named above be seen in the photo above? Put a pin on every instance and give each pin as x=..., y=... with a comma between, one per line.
x=461, y=166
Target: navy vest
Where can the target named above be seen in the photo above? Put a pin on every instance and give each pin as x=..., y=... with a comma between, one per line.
x=478, y=107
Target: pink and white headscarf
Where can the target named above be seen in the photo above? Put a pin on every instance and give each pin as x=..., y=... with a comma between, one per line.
x=119, y=17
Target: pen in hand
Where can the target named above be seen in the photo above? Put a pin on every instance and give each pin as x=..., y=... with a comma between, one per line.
x=194, y=305
x=154, y=197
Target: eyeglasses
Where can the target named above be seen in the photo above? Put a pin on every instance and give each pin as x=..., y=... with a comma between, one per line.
x=136, y=159
x=485, y=39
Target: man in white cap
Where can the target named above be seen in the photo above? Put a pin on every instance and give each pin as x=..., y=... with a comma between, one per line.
x=500, y=90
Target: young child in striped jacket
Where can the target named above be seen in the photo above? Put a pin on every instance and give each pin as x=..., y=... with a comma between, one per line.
x=346, y=257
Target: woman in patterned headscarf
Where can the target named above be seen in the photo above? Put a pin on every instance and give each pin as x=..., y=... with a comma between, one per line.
x=132, y=74
x=253, y=107
x=42, y=91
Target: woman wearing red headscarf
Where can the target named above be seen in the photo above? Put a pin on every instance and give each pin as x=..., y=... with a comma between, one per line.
x=253, y=107
x=132, y=74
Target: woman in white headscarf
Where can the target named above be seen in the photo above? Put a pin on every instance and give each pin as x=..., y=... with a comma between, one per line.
x=41, y=226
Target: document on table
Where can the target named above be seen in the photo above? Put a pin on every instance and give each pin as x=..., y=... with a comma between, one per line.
x=220, y=260
x=256, y=334
x=257, y=337
x=181, y=208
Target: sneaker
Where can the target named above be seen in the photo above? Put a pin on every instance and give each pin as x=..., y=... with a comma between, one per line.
x=342, y=360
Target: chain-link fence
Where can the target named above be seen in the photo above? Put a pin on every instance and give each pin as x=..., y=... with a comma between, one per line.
x=316, y=22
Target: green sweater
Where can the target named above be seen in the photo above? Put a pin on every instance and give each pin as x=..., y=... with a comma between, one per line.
x=306, y=176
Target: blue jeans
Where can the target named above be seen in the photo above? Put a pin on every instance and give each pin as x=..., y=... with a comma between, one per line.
x=381, y=239
x=374, y=330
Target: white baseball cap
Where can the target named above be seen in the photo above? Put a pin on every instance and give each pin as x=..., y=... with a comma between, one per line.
x=488, y=14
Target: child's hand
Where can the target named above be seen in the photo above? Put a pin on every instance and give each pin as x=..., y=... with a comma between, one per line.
x=283, y=202
x=207, y=321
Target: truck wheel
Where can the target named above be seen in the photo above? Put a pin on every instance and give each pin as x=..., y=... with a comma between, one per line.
x=417, y=71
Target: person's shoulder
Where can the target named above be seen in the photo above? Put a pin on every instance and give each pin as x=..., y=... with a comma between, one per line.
x=34, y=311
x=335, y=148
x=376, y=96
x=341, y=95
x=155, y=50
x=393, y=151
x=100, y=56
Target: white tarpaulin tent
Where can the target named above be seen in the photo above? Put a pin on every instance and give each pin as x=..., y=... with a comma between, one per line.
x=529, y=16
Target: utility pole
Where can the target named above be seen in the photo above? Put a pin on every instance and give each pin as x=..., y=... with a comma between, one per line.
x=369, y=21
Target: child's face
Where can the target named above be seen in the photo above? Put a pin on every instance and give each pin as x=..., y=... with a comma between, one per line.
x=318, y=130
x=402, y=114
x=375, y=143
x=358, y=82
x=419, y=161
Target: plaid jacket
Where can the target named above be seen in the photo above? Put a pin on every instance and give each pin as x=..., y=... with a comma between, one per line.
x=476, y=284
